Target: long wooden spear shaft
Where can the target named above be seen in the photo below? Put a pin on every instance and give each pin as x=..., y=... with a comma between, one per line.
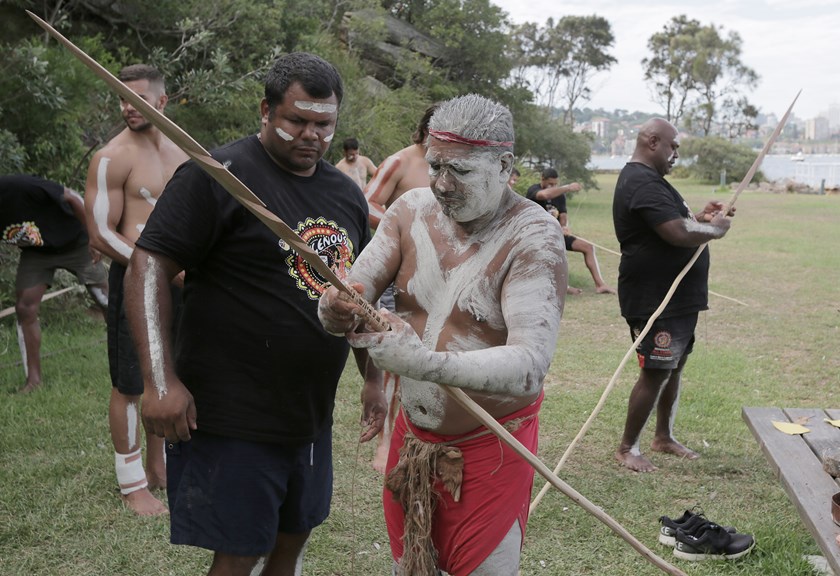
x=726, y=208
x=248, y=199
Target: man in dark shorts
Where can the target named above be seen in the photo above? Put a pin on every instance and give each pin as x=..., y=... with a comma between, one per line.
x=658, y=236
x=245, y=395
x=47, y=222
x=553, y=198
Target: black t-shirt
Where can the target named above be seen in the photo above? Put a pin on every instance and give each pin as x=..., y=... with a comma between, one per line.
x=250, y=346
x=559, y=202
x=35, y=215
x=643, y=200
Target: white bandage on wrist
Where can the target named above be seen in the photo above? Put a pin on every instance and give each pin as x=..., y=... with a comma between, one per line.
x=130, y=473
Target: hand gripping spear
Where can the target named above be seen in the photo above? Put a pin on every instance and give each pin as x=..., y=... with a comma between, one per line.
x=726, y=208
x=250, y=201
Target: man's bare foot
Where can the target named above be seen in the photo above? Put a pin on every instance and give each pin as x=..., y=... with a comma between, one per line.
x=143, y=503
x=604, y=289
x=634, y=462
x=29, y=387
x=380, y=458
x=671, y=446
x=573, y=290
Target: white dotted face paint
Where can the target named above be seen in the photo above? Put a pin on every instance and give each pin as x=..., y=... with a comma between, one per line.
x=284, y=135
x=153, y=328
x=144, y=192
x=131, y=428
x=319, y=107
x=101, y=208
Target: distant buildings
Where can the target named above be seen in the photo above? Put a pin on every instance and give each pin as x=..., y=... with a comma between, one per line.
x=817, y=128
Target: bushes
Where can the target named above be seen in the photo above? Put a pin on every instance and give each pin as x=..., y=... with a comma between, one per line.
x=705, y=158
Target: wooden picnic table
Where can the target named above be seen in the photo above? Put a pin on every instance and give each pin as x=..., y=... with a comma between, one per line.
x=797, y=462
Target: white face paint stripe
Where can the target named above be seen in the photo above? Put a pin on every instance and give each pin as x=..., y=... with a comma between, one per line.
x=131, y=419
x=329, y=138
x=153, y=329
x=102, y=206
x=319, y=107
x=284, y=135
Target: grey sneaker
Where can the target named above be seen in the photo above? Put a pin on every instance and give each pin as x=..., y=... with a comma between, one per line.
x=712, y=542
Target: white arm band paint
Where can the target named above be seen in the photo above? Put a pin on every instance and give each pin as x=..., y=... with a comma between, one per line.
x=151, y=311
x=101, y=208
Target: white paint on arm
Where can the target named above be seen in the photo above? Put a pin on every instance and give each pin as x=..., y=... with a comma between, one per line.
x=154, y=334
x=102, y=208
x=703, y=228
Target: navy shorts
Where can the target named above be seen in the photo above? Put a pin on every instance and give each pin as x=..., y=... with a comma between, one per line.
x=123, y=364
x=667, y=342
x=234, y=496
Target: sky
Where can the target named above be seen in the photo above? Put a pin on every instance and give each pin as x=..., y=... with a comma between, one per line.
x=790, y=44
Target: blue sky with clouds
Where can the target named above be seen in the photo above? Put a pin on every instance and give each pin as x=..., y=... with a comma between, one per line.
x=791, y=44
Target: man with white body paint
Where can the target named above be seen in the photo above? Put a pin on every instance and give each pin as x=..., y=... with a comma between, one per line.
x=245, y=395
x=480, y=273
x=398, y=173
x=124, y=181
x=47, y=222
x=658, y=236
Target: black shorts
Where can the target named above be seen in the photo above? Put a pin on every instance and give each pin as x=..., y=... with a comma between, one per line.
x=36, y=268
x=122, y=355
x=667, y=342
x=234, y=496
x=569, y=241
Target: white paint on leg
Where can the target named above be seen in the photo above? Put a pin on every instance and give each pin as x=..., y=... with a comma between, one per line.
x=131, y=425
x=22, y=346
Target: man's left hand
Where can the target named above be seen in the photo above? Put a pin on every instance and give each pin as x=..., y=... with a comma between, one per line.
x=398, y=350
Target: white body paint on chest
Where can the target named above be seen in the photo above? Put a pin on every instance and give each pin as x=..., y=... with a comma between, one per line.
x=101, y=208
x=144, y=192
x=153, y=328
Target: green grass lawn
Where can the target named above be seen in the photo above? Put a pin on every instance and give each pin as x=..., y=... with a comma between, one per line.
x=59, y=508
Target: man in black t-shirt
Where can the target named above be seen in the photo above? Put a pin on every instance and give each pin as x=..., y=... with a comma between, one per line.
x=553, y=198
x=249, y=385
x=47, y=222
x=658, y=235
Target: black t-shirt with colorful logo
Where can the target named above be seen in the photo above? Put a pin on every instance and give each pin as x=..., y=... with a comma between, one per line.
x=649, y=265
x=35, y=215
x=250, y=346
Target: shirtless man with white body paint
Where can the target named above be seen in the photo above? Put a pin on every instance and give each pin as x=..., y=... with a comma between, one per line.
x=250, y=384
x=398, y=173
x=658, y=235
x=124, y=180
x=481, y=276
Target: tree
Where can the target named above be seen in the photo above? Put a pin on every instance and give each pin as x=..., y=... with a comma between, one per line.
x=564, y=57
x=670, y=68
x=693, y=68
x=705, y=159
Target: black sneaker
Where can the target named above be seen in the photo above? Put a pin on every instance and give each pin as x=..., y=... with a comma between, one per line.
x=711, y=542
x=689, y=522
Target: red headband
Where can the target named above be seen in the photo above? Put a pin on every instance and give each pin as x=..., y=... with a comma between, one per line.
x=452, y=137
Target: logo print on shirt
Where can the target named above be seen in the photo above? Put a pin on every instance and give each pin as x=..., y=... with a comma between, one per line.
x=331, y=242
x=23, y=234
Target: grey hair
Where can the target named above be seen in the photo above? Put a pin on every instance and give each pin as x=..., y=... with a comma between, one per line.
x=475, y=117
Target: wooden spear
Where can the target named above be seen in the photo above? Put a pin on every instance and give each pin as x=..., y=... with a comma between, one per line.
x=250, y=201
x=726, y=208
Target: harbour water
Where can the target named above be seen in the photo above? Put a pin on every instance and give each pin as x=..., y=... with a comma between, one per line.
x=811, y=170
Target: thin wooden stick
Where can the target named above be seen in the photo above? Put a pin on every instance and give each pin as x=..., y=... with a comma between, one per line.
x=605, y=249
x=726, y=208
x=50, y=295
